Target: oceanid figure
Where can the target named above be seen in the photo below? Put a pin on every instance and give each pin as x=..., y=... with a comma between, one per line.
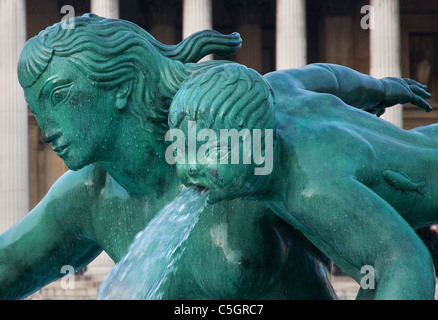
x=101, y=94
x=355, y=185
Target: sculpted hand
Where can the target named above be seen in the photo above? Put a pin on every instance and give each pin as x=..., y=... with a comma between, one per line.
x=400, y=91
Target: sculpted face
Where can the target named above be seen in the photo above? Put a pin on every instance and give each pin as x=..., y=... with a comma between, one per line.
x=75, y=114
x=221, y=181
x=214, y=170
x=233, y=107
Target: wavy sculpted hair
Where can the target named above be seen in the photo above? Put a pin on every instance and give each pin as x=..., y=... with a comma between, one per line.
x=229, y=96
x=113, y=51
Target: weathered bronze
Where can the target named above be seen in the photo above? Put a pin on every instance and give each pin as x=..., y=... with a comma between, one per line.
x=101, y=94
x=355, y=185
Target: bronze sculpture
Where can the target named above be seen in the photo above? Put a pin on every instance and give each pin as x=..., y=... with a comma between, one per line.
x=101, y=94
x=355, y=185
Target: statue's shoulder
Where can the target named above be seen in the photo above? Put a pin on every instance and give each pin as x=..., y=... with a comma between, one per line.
x=87, y=180
x=73, y=195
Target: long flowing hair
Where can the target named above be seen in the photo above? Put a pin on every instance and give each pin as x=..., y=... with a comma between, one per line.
x=113, y=51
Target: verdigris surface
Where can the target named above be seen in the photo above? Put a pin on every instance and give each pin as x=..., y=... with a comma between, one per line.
x=101, y=94
x=355, y=185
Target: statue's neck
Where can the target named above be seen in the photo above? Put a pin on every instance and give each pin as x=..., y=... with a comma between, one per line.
x=139, y=166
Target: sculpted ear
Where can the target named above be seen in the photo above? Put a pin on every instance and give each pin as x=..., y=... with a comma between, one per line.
x=122, y=95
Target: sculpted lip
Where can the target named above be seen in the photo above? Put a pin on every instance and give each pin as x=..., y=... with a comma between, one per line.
x=199, y=187
x=60, y=149
x=52, y=138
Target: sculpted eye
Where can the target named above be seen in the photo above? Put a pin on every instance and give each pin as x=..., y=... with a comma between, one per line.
x=225, y=154
x=214, y=153
x=219, y=153
x=60, y=94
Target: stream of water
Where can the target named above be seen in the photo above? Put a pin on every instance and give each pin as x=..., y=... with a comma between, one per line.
x=153, y=255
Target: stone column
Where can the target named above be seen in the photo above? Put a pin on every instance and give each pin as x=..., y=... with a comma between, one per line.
x=385, y=48
x=197, y=16
x=105, y=8
x=14, y=184
x=291, y=47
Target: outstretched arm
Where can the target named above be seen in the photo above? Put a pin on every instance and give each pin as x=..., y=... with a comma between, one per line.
x=356, y=228
x=52, y=235
x=354, y=88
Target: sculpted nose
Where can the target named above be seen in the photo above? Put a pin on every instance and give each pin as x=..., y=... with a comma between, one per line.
x=50, y=136
x=193, y=171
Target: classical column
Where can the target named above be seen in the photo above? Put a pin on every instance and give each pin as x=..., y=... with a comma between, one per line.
x=197, y=16
x=385, y=48
x=14, y=184
x=291, y=47
x=105, y=8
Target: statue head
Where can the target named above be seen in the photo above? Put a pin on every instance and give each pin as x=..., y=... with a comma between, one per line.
x=230, y=108
x=82, y=84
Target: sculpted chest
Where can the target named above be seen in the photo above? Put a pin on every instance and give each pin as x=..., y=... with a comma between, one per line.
x=220, y=259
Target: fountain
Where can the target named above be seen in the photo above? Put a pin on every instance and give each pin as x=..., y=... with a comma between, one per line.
x=153, y=255
x=105, y=95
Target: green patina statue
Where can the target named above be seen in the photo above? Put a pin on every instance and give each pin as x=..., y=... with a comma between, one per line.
x=355, y=185
x=101, y=94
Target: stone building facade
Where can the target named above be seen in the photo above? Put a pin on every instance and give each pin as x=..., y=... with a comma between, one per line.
x=377, y=37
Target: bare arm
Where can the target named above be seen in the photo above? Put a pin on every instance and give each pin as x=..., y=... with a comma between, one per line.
x=354, y=88
x=55, y=233
x=363, y=230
